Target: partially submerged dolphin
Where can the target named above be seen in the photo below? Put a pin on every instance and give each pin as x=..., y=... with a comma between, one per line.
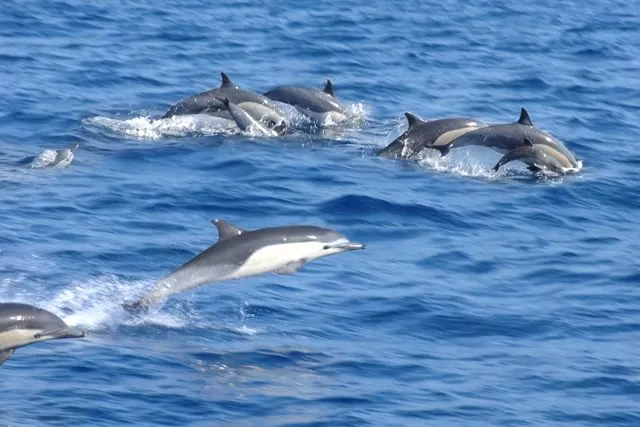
x=209, y=101
x=64, y=156
x=54, y=158
x=24, y=324
x=423, y=134
x=538, y=157
x=319, y=105
x=506, y=137
x=269, y=117
x=240, y=253
x=245, y=121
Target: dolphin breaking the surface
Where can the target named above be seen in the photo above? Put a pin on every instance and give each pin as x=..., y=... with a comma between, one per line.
x=319, y=105
x=210, y=100
x=240, y=253
x=24, y=324
x=423, y=134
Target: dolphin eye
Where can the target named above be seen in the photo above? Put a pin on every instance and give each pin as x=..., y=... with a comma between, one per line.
x=325, y=247
x=37, y=336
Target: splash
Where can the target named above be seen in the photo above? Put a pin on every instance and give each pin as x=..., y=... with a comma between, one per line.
x=93, y=304
x=43, y=160
x=461, y=163
x=147, y=128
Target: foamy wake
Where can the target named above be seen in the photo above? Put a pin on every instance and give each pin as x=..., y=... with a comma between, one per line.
x=43, y=159
x=479, y=163
x=95, y=304
x=145, y=127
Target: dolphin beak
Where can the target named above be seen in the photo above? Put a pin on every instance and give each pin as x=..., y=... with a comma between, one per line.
x=63, y=333
x=347, y=246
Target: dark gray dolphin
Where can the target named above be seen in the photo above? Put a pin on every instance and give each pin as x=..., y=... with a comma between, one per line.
x=538, y=157
x=319, y=105
x=423, y=134
x=24, y=324
x=506, y=137
x=209, y=101
x=239, y=253
x=245, y=121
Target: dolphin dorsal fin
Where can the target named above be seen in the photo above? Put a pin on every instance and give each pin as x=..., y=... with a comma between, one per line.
x=226, y=230
x=328, y=88
x=412, y=119
x=524, y=118
x=226, y=81
x=527, y=142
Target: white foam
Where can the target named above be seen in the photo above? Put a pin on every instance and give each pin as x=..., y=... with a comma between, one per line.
x=44, y=159
x=92, y=304
x=460, y=163
x=148, y=128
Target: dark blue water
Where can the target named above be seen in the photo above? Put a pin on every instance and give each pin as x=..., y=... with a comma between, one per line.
x=482, y=299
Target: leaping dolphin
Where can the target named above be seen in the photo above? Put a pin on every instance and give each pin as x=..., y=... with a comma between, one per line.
x=240, y=253
x=319, y=105
x=209, y=101
x=423, y=134
x=24, y=324
x=506, y=137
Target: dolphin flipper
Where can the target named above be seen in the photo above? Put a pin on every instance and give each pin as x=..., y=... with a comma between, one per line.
x=5, y=355
x=291, y=268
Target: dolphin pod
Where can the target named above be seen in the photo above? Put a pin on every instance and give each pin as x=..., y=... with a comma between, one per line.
x=257, y=113
x=443, y=135
x=23, y=324
x=240, y=253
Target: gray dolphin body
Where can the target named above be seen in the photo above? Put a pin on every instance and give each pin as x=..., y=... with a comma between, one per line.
x=319, y=105
x=423, y=134
x=209, y=101
x=538, y=157
x=245, y=121
x=239, y=253
x=506, y=137
x=24, y=324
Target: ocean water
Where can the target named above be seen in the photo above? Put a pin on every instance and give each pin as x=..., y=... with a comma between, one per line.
x=482, y=299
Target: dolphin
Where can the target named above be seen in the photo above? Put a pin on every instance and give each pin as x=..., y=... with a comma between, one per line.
x=270, y=117
x=23, y=324
x=64, y=157
x=240, y=253
x=506, y=137
x=422, y=134
x=538, y=157
x=54, y=158
x=209, y=101
x=245, y=121
x=319, y=105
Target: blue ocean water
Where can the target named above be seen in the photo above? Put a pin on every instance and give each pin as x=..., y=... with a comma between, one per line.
x=482, y=299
